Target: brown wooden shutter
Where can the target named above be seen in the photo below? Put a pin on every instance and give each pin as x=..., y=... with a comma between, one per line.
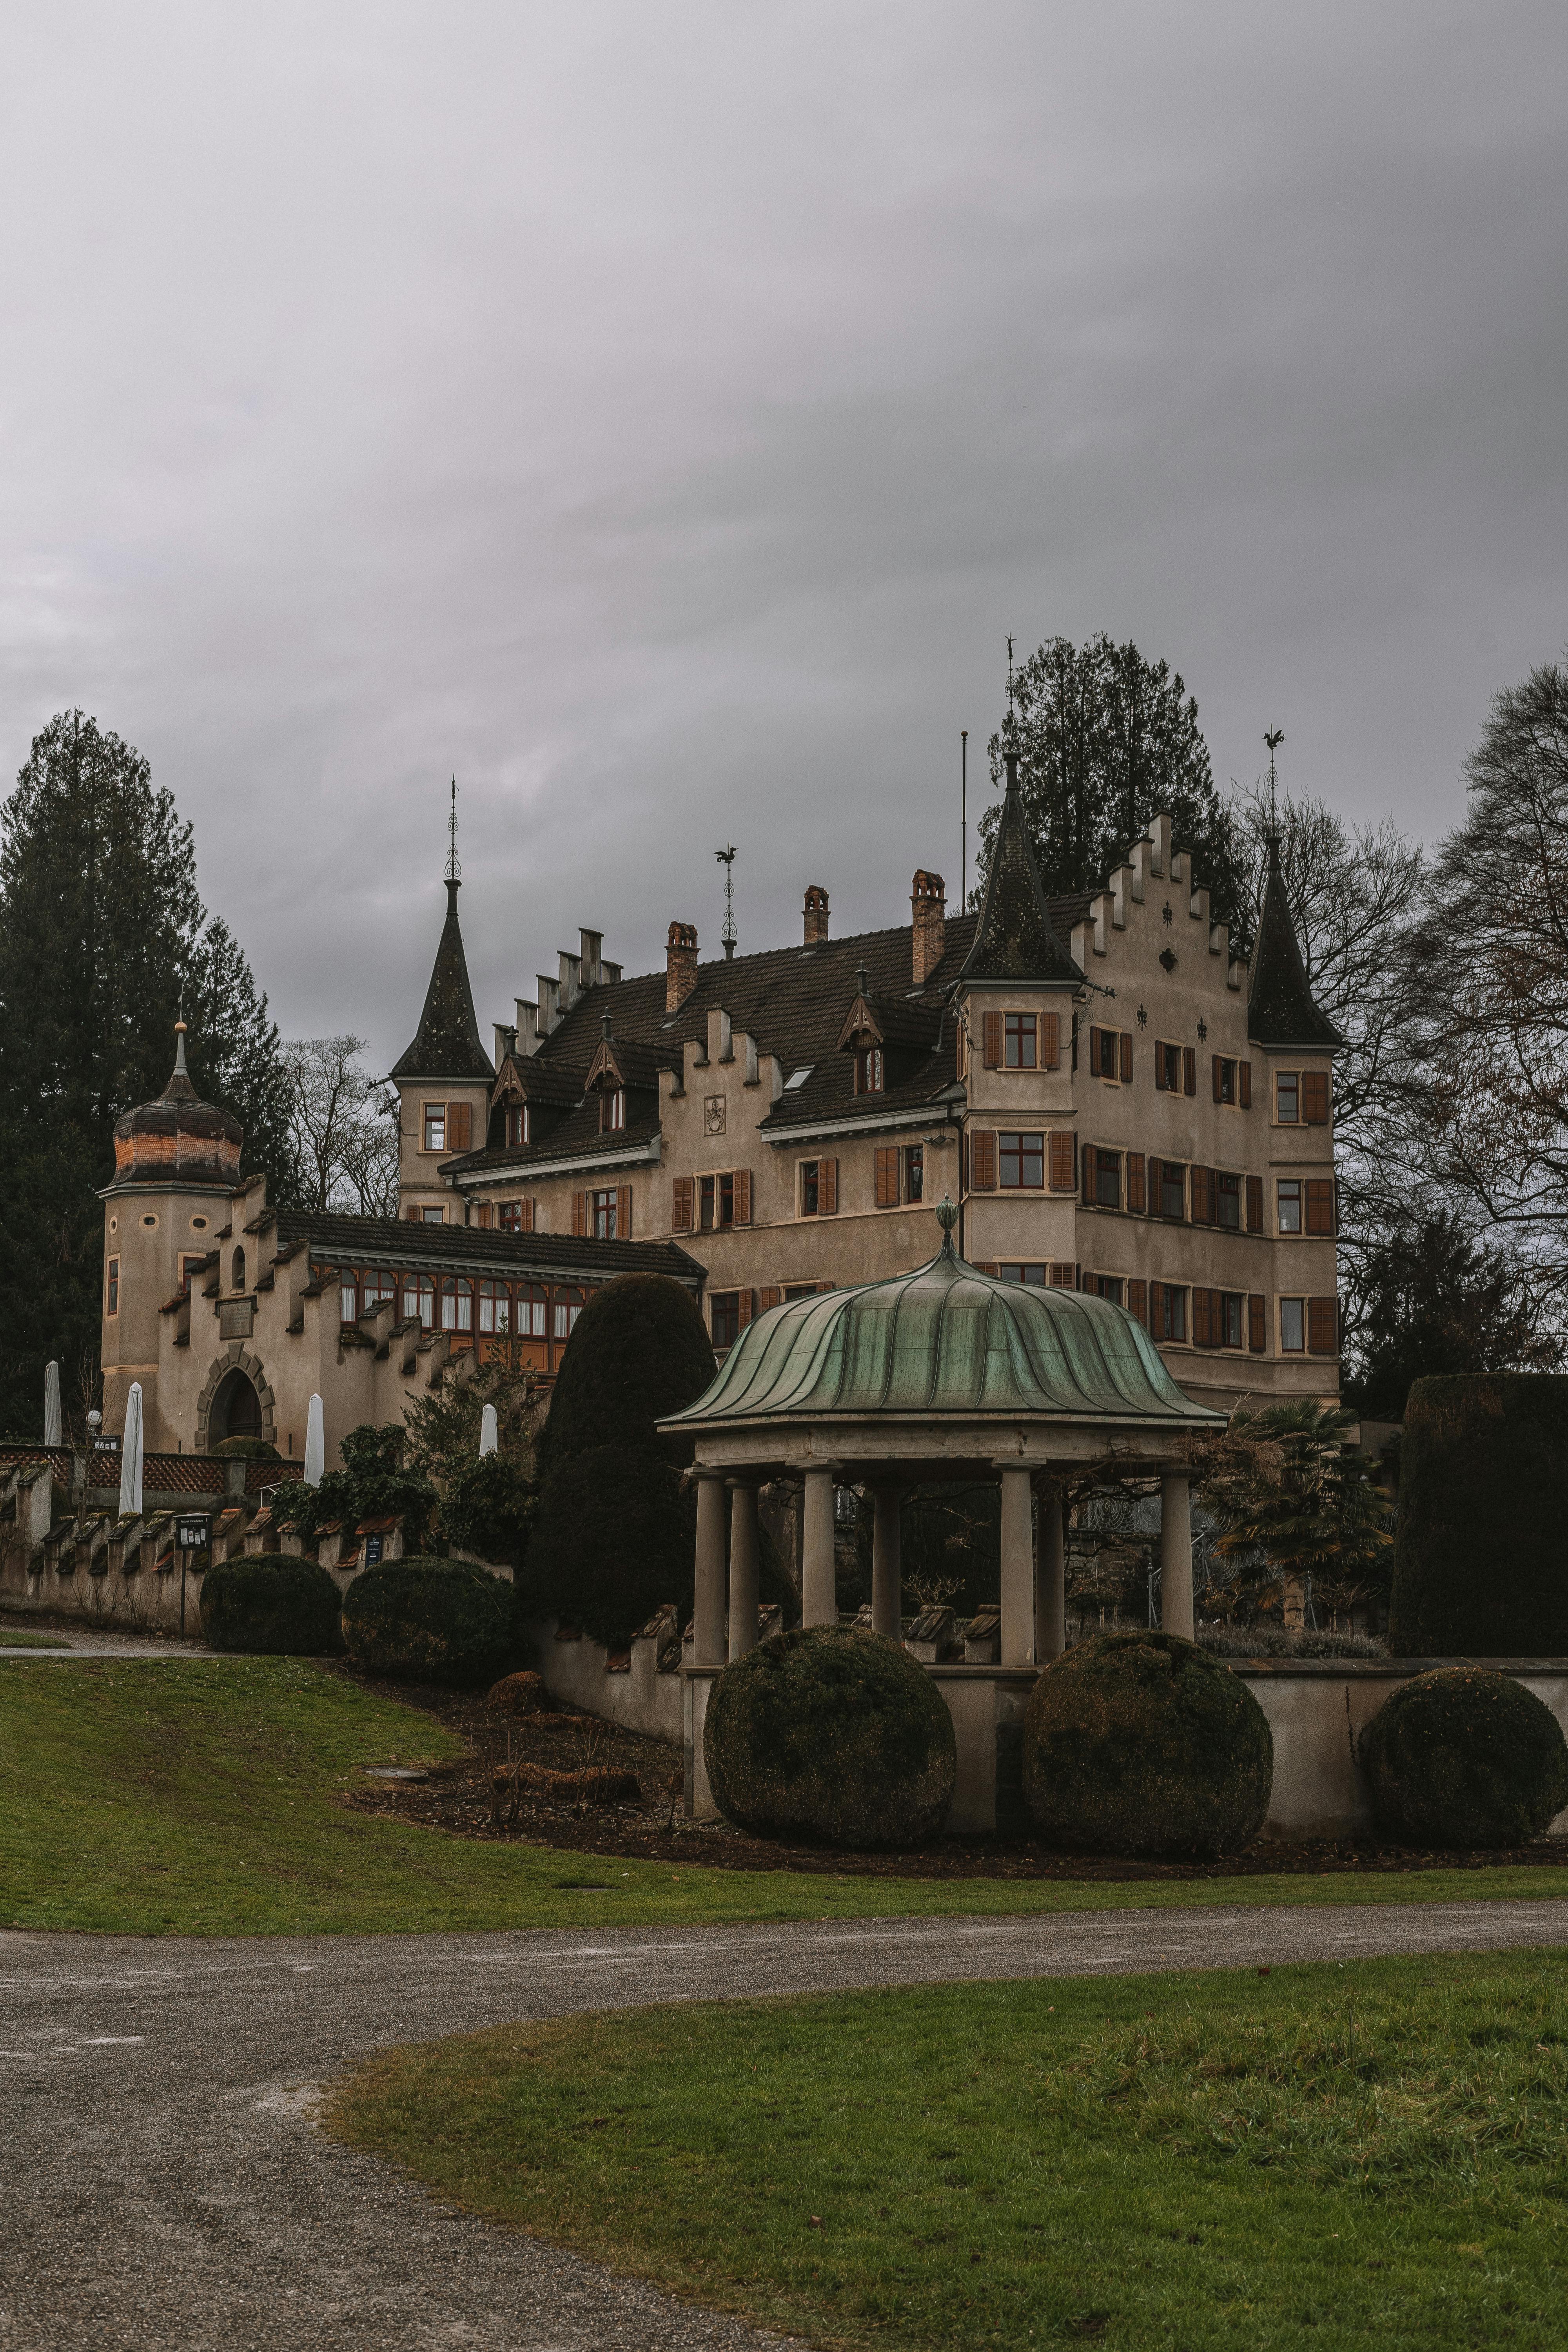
x=1217, y=1095
x=1244, y=1084
x=982, y=1159
x=1202, y=1195
x=887, y=1192
x=1160, y=1086
x=1256, y=1323
x=1315, y=1097
x=825, y=1286
x=1050, y=1041
x=526, y=1212
x=1255, y=1204
x=1061, y=1169
x=1064, y=1278
x=487, y=1215
x=990, y=1266
x=768, y=1297
x=742, y=1196
x=827, y=1187
x=1320, y=1204
x=1094, y=1060
x=742, y=1308
x=624, y=1212
x=1125, y=1050
x=1137, y=1187
x=1138, y=1300
x=1202, y=1319
x=1156, y=1307
x=991, y=1040
x=579, y=1214
x=683, y=1212
x=1189, y=1069
x=1322, y=1327
x=1087, y=1157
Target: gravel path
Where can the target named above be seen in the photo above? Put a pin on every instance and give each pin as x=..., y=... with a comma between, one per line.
x=165, y=2189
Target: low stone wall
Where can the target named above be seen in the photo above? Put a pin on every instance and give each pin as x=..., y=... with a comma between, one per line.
x=639, y=1688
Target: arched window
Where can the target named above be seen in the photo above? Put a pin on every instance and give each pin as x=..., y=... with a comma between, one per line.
x=568, y=1306
x=495, y=1307
x=456, y=1305
x=533, y=1312
x=419, y=1298
x=377, y=1284
x=237, y=1273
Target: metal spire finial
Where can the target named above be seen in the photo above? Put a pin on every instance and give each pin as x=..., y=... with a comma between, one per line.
x=726, y=858
x=454, y=862
x=1273, y=739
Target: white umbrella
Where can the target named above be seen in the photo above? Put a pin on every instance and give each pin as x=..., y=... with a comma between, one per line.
x=54, y=1425
x=315, y=1444
x=130, y=1457
x=490, y=1434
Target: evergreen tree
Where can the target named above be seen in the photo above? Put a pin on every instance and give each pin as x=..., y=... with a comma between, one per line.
x=1436, y=1301
x=101, y=929
x=1108, y=741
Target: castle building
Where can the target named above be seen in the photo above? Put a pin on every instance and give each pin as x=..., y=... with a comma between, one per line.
x=1114, y=1103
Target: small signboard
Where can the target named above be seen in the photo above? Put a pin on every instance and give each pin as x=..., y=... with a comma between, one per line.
x=373, y=1548
x=193, y=1534
x=105, y=1444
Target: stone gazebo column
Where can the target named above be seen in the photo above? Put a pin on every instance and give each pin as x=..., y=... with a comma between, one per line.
x=708, y=1613
x=1017, y=1645
x=1176, y=1555
x=1050, y=1579
x=818, y=1576
x=744, y=1621
x=887, y=1567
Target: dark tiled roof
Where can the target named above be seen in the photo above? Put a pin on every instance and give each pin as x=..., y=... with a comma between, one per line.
x=1016, y=940
x=578, y=1136
x=1281, y=1013
x=446, y=1042
x=399, y=1241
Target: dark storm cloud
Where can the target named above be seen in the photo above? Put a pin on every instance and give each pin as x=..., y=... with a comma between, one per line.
x=661, y=416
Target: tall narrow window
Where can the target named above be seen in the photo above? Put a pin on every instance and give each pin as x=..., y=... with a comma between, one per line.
x=457, y=1305
x=112, y=1302
x=914, y=1171
x=1227, y=1201
x=348, y=1300
x=868, y=1070
x=613, y=1110
x=1293, y=1326
x=436, y=1127
x=603, y=1206
x=419, y=1300
x=1287, y=1098
x=517, y=1126
x=495, y=1308
x=236, y=1271
x=1021, y=1042
x=1289, y=1204
x=1108, y=1181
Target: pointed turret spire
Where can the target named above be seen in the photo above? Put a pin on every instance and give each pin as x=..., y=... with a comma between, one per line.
x=1281, y=1013
x=1014, y=940
x=446, y=1042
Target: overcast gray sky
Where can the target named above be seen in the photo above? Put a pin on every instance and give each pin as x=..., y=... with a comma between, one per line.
x=660, y=413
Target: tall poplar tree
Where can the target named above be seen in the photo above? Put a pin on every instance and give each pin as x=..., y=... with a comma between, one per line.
x=101, y=931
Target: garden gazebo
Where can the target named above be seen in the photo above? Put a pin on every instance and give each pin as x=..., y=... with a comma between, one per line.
x=943, y=1373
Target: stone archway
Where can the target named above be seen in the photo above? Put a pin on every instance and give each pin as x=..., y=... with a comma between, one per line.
x=214, y=1406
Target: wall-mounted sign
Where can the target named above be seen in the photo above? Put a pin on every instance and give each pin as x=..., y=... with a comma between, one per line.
x=193, y=1534
x=104, y=1444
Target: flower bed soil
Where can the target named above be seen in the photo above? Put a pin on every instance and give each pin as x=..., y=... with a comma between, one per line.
x=460, y=1798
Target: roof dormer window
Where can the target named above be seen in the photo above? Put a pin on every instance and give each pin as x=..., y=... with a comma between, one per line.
x=868, y=1070
x=613, y=1112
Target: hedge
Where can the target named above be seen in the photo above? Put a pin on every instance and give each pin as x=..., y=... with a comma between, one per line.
x=1144, y=1743
x=429, y=1621
x=1464, y=1757
x=831, y=1734
x=640, y=1352
x=1480, y=1559
x=614, y=1537
x=271, y=1602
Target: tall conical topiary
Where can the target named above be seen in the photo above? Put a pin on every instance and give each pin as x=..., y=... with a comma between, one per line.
x=1480, y=1561
x=638, y=1353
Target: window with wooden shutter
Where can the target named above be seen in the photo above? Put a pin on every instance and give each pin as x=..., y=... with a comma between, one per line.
x=624, y=1212
x=742, y=1196
x=1064, y=1278
x=1138, y=1300
x=743, y=1306
x=487, y=1215
x=1320, y=1204
x=1315, y=1097
x=1203, y=1196
x=886, y=1191
x=988, y=1266
x=982, y=1159
x=1156, y=1309
x=1218, y=1086
x=460, y=1127
x=1137, y=1187
x=827, y=1187
x=1255, y=1204
x=579, y=1214
x=1062, y=1157
x=1244, y=1080
x=683, y=1211
x=1090, y=1157
x=1126, y=1051
x=1322, y=1327
x=1050, y=1041
x=1256, y=1323
x=1202, y=1319
x=1189, y=1069
x=991, y=1040
x=527, y=1216
x=768, y=1297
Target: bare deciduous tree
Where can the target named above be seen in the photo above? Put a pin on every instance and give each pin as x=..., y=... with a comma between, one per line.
x=343, y=1128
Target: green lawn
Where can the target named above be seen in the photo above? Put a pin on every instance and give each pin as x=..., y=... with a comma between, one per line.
x=203, y=1798
x=1369, y=2156
x=11, y=1641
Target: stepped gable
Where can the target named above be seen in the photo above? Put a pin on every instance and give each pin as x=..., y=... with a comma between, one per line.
x=1016, y=940
x=447, y=1043
x=1281, y=1013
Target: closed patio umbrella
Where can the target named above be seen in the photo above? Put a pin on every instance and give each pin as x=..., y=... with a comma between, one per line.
x=130, y=1457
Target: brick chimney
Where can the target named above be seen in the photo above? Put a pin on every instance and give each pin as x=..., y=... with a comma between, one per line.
x=928, y=914
x=681, y=969
x=816, y=912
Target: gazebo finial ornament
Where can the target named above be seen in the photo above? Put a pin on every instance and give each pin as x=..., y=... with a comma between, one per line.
x=947, y=1217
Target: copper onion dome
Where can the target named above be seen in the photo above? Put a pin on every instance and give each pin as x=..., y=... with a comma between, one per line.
x=178, y=1139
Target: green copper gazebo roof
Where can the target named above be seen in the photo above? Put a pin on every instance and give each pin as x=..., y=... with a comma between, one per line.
x=944, y=1340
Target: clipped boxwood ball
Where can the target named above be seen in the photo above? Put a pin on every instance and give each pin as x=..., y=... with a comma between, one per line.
x=1465, y=1757
x=1144, y=1743
x=832, y=1734
x=429, y=1621
x=270, y=1601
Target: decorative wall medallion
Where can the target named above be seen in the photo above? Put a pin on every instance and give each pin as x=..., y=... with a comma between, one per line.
x=1202, y=1029
x=1169, y=959
x=1142, y=1016
x=1166, y=912
x=713, y=1115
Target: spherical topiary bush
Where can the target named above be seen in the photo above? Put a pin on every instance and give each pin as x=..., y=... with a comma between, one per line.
x=270, y=1601
x=1464, y=1758
x=613, y=1540
x=834, y=1734
x=1143, y=1744
x=429, y=1621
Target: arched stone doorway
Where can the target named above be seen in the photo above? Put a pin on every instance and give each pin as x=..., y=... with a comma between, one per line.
x=236, y=1401
x=236, y=1409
